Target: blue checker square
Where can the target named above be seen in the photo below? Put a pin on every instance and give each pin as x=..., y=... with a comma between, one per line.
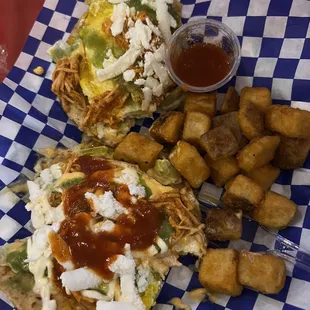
x=306, y=223
x=285, y=177
x=147, y=122
x=31, y=45
x=45, y=89
x=291, y=233
x=52, y=133
x=254, y=26
x=258, y=248
x=300, y=90
x=21, y=234
x=36, y=62
x=285, y=68
x=37, y=114
x=279, y=9
x=73, y=133
x=71, y=24
x=16, y=74
x=168, y=292
x=66, y=6
x=306, y=50
x=6, y=93
x=271, y=47
x=52, y=35
x=299, y=273
x=209, y=306
x=247, y=298
x=201, y=9
x=45, y=16
x=4, y=305
x=25, y=93
x=290, y=307
x=262, y=82
x=12, y=165
x=31, y=135
x=300, y=194
x=247, y=66
x=31, y=160
x=249, y=229
x=14, y=114
x=238, y=7
x=194, y=282
x=296, y=27
x=5, y=144
x=19, y=213
x=58, y=113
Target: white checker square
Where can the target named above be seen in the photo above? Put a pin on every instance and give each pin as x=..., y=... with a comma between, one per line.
x=284, y=190
x=282, y=89
x=38, y=30
x=300, y=8
x=190, y=302
x=180, y=277
x=69, y=143
x=42, y=104
x=58, y=125
x=44, y=142
x=251, y=46
x=51, y=4
x=8, y=128
x=301, y=105
x=144, y=131
x=28, y=173
x=235, y=23
x=7, y=174
x=303, y=70
x=218, y=8
x=301, y=176
x=20, y=103
x=10, y=83
x=8, y=227
x=2, y=107
x=23, y=61
x=222, y=299
x=298, y=294
x=66, y=36
x=33, y=123
x=264, y=302
x=59, y=21
x=304, y=239
x=209, y=190
x=239, y=245
x=187, y=10
x=31, y=82
x=265, y=67
x=264, y=238
x=7, y=200
x=308, y=32
x=242, y=81
x=258, y=8
x=18, y=153
x=42, y=51
x=275, y=26
x=292, y=48
x=29, y=226
x=50, y=70
x=299, y=217
x=79, y=9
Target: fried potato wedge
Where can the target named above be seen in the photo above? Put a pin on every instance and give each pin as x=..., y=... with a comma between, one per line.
x=204, y=103
x=288, y=121
x=259, y=96
x=218, y=272
x=231, y=101
x=258, y=153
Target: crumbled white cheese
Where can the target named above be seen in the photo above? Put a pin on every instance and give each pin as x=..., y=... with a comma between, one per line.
x=139, y=82
x=161, y=72
x=120, y=65
x=128, y=176
x=110, y=60
x=135, y=190
x=148, y=64
x=120, y=11
x=147, y=93
x=35, y=190
x=47, y=176
x=151, y=82
x=163, y=18
x=117, y=1
x=106, y=205
x=140, y=35
x=162, y=244
x=154, y=29
x=106, y=225
x=130, y=22
x=158, y=90
x=129, y=75
x=80, y=279
x=173, y=22
x=160, y=53
x=114, y=305
x=143, y=277
x=68, y=265
x=56, y=171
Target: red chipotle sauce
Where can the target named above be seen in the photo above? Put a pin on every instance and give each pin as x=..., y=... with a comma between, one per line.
x=202, y=64
x=97, y=251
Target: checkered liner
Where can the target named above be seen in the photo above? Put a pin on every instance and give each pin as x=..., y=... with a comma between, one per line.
x=275, y=40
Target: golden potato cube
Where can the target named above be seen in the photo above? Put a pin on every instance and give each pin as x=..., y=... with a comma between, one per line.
x=231, y=101
x=218, y=272
x=222, y=169
x=167, y=128
x=138, y=149
x=223, y=224
x=204, y=103
x=259, y=152
x=251, y=120
x=264, y=176
x=195, y=125
x=259, y=96
x=291, y=153
x=243, y=193
x=275, y=211
x=289, y=122
x=262, y=272
x=186, y=159
x=219, y=143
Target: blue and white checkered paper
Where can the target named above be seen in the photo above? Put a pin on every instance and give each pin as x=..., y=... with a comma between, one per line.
x=275, y=42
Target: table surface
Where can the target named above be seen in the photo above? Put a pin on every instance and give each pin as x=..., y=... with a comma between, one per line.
x=16, y=20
